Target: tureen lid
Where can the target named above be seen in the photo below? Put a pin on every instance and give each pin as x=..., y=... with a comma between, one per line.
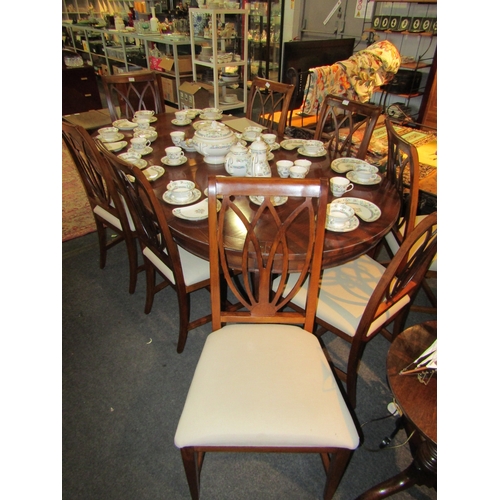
x=215, y=131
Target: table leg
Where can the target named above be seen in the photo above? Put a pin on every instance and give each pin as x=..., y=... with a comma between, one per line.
x=422, y=471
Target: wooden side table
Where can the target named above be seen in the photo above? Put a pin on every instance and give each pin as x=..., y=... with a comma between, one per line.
x=418, y=402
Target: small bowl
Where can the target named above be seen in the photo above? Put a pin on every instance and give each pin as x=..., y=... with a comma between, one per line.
x=144, y=113
x=365, y=172
x=313, y=146
x=297, y=172
x=303, y=163
x=284, y=167
x=108, y=132
x=181, y=190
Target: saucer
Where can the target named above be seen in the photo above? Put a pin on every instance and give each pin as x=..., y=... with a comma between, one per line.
x=169, y=163
x=115, y=146
x=320, y=153
x=195, y=196
x=187, y=145
x=116, y=138
x=204, y=117
x=354, y=178
x=151, y=120
x=350, y=225
x=154, y=172
x=276, y=200
x=124, y=124
x=290, y=144
x=138, y=162
x=180, y=124
x=249, y=139
x=365, y=210
x=274, y=147
x=199, y=211
x=143, y=152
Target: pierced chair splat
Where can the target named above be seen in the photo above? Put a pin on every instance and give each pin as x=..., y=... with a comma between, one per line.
x=180, y=269
x=259, y=385
x=108, y=208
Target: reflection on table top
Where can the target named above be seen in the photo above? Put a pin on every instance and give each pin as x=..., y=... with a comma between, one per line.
x=193, y=235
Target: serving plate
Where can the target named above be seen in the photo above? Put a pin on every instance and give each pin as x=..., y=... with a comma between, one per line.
x=343, y=165
x=154, y=172
x=319, y=154
x=290, y=144
x=138, y=162
x=199, y=211
x=365, y=210
x=115, y=146
x=124, y=124
x=151, y=120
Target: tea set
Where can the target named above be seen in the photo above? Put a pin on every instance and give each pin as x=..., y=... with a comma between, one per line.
x=218, y=144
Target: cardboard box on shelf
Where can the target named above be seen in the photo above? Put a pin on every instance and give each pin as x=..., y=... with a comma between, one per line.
x=196, y=95
x=104, y=70
x=122, y=69
x=169, y=87
x=167, y=63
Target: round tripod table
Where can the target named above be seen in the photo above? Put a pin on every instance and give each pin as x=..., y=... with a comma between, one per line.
x=418, y=402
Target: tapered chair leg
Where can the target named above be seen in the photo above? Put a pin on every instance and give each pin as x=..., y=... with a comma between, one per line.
x=192, y=467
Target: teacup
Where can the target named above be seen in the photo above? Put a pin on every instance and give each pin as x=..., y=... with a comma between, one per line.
x=340, y=185
x=365, y=172
x=338, y=215
x=108, y=133
x=143, y=123
x=313, y=146
x=297, y=172
x=284, y=167
x=177, y=137
x=269, y=139
x=181, y=116
x=181, y=190
x=144, y=114
x=303, y=163
x=211, y=113
x=139, y=144
x=174, y=154
x=251, y=133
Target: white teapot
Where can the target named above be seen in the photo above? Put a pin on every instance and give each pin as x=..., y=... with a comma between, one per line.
x=237, y=161
x=259, y=166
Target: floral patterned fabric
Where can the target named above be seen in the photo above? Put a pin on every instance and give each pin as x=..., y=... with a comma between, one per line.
x=354, y=78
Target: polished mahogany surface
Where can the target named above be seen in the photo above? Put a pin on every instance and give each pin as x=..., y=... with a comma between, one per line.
x=417, y=400
x=193, y=235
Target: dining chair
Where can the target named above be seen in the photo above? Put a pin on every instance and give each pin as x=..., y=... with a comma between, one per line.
x=361, y=298
x=347, y=126
x=133, y=91
x=262, y=383
x=268, y=104
x=183, y=271
x=108, y=208
x=403, y=170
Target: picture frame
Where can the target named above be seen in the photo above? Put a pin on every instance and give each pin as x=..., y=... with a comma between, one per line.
x=427, y=24
x=416, y=25
x=394, y=23
x=385, y=22
x=377, y=23
x=404, y=24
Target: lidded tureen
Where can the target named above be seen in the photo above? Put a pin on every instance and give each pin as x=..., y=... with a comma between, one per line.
x=214, y=142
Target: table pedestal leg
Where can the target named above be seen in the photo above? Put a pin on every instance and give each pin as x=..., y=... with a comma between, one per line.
x=422, y=471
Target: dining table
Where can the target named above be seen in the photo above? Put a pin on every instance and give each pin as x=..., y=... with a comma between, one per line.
x=192, y=235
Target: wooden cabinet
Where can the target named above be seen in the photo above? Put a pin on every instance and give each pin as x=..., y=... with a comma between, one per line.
x=79, y=90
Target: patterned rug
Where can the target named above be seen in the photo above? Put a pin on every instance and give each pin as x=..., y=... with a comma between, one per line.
x=77, y=219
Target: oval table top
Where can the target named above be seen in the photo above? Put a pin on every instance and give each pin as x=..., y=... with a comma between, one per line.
x=340, y=247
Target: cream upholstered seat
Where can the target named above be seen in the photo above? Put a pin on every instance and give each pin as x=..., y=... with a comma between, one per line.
x=180, y=269
x=265, y=385
x=357, y=300
x=108, y=207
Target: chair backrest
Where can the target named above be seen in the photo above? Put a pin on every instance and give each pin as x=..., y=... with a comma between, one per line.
x=268, y=103
x=132, y=92
x=348, y=126
x=261, y=262
x=404, y=274
x=146, y=210
x=93, y=170
x=403, y=170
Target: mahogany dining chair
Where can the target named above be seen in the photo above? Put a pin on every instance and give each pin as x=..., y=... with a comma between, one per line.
x=183, y=271
x=268, y=104
x=347, y=126
x=262, y=383
x=359, y=299
x=133, y=91
x=108, y=208
x=403, y=159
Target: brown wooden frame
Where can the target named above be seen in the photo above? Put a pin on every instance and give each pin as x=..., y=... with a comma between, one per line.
x=268, y=100
x=154, y=234
x=101, y=192
x=338, y=114
x=132, y=92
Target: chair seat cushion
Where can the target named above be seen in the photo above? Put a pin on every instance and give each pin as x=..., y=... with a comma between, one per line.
x=264, y=385
x=194, y=269
x=394, y=245
x=344, y=294
x=108, y=217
